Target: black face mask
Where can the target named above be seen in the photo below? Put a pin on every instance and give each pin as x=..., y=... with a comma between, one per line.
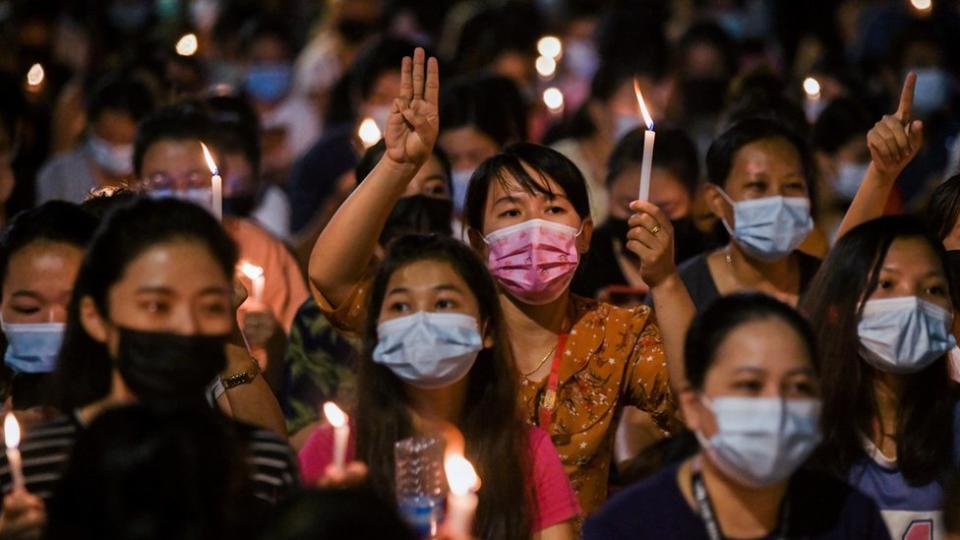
x=239, y=205
x=418, y=214
x=169, y=369
x=705, y=96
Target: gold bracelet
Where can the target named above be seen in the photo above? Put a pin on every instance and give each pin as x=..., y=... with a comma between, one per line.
x=244, y=377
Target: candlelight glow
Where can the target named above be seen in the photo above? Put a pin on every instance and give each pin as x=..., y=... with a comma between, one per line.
x=461, y=476
x=36, y=75
x=212, y=165
x=252, y=271
x=11, y=431
x=550, y=46
x=811, y=87
x=369, y=132
x=546, y=66
x=553, y=99
x=335, y=416
x=187, y=45
x=921, y=5
x=647, y=119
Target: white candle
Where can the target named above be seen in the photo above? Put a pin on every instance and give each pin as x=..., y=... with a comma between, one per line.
x=11, y=434
x=341, y=433
x=216, y=184
x=462, y=500
x=649, y=137
x=255, y=274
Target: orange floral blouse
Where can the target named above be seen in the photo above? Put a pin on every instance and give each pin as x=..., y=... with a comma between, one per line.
x=613, y=358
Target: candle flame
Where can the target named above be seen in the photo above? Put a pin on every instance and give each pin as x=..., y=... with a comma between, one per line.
x=811, y=87
x=553, y=99
x=921, y=5
x=550, y=46
x=369, y=132
x=36, y=75
x=210, y=163
x=251, y=270
x=11, y=431
x=461, y=476
x=647, y=119
x=335, y=416
x=187, y=45
x=546, y=66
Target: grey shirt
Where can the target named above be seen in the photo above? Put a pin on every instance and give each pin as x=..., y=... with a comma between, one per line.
x=67, y=177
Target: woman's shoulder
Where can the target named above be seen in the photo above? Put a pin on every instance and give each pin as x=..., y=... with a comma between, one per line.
x=654, y=505
x=595, y=310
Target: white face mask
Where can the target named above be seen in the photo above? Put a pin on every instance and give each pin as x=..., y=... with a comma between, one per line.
x=761, y=441
x=848, y=179
x=202, y=197
x=770, y=228
x=429, y=350
x=461, y=182
x=115, y=159
x=905, y=334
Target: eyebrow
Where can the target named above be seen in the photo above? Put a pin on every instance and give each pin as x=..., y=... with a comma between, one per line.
x=25, y=293
x=438, y=288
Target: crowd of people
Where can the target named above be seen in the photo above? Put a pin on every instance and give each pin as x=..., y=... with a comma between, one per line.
x=280, y=270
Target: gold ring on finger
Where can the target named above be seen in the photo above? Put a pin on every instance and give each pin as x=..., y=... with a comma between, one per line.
x=655, y=229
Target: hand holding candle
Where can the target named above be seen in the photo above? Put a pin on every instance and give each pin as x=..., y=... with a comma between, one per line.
x=649, y=137
x=341, y=433
x=462, y=500
x=216, y=184
x=11, y=434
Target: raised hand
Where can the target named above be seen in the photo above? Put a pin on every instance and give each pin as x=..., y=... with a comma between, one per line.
x=896, y=139
x=651, y=238
x=414, y=119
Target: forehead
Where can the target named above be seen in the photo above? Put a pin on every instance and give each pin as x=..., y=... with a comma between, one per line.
x=40, y=259
x=912, y=254
x=767, y=154
x=768, y=344
x=425, y=275
x=173, y=154
x=180, y=264
x=506, y=183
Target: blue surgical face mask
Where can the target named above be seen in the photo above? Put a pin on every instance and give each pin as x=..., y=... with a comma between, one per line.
x=429, y=350
x=112, y=158
x=623, y=124
x=904, y=334
x=199, y=196
x=932, y=90
x=761, y=441
x=32, y=348
x=461, y=182
x=770, y=228
x=848, y=179
x=269, y=82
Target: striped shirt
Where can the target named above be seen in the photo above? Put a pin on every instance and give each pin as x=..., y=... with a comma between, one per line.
x=46, y=448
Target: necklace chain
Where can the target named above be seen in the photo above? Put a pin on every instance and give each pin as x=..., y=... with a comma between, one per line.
x=542, y=362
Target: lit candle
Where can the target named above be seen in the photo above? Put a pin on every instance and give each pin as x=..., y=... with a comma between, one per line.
x=369, y=133
x=255, y=274
x=216, y=184
x=341, y=433
x=187, y=45
x=812, y=99
x=11, y=435
x=462, y=500
x=649, y=137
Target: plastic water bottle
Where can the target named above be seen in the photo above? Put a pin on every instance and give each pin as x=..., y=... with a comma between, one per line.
x=421, y=489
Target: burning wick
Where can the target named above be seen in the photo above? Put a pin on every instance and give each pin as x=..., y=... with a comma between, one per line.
x=11, y=435
x=35, y=76
x=369, y=133
x=462, y=500
x=341, y=433
x=649, y=137
x=216, y=183
x=255, y=274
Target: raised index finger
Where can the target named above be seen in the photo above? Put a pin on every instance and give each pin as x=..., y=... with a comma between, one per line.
x=905, y=109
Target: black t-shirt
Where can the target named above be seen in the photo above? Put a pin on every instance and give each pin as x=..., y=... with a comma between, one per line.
x=696, y=275
x=821, y=508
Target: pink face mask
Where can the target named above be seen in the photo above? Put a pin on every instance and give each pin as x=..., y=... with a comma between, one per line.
x=534, y=260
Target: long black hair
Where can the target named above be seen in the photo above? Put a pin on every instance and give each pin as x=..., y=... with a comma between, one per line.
x=834, y=304
x=496, y=437
x=84, y=368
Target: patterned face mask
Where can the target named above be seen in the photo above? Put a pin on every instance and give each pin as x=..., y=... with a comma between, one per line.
x=534, y=260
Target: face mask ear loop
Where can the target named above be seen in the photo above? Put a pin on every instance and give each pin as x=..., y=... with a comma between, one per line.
x=733, y=206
